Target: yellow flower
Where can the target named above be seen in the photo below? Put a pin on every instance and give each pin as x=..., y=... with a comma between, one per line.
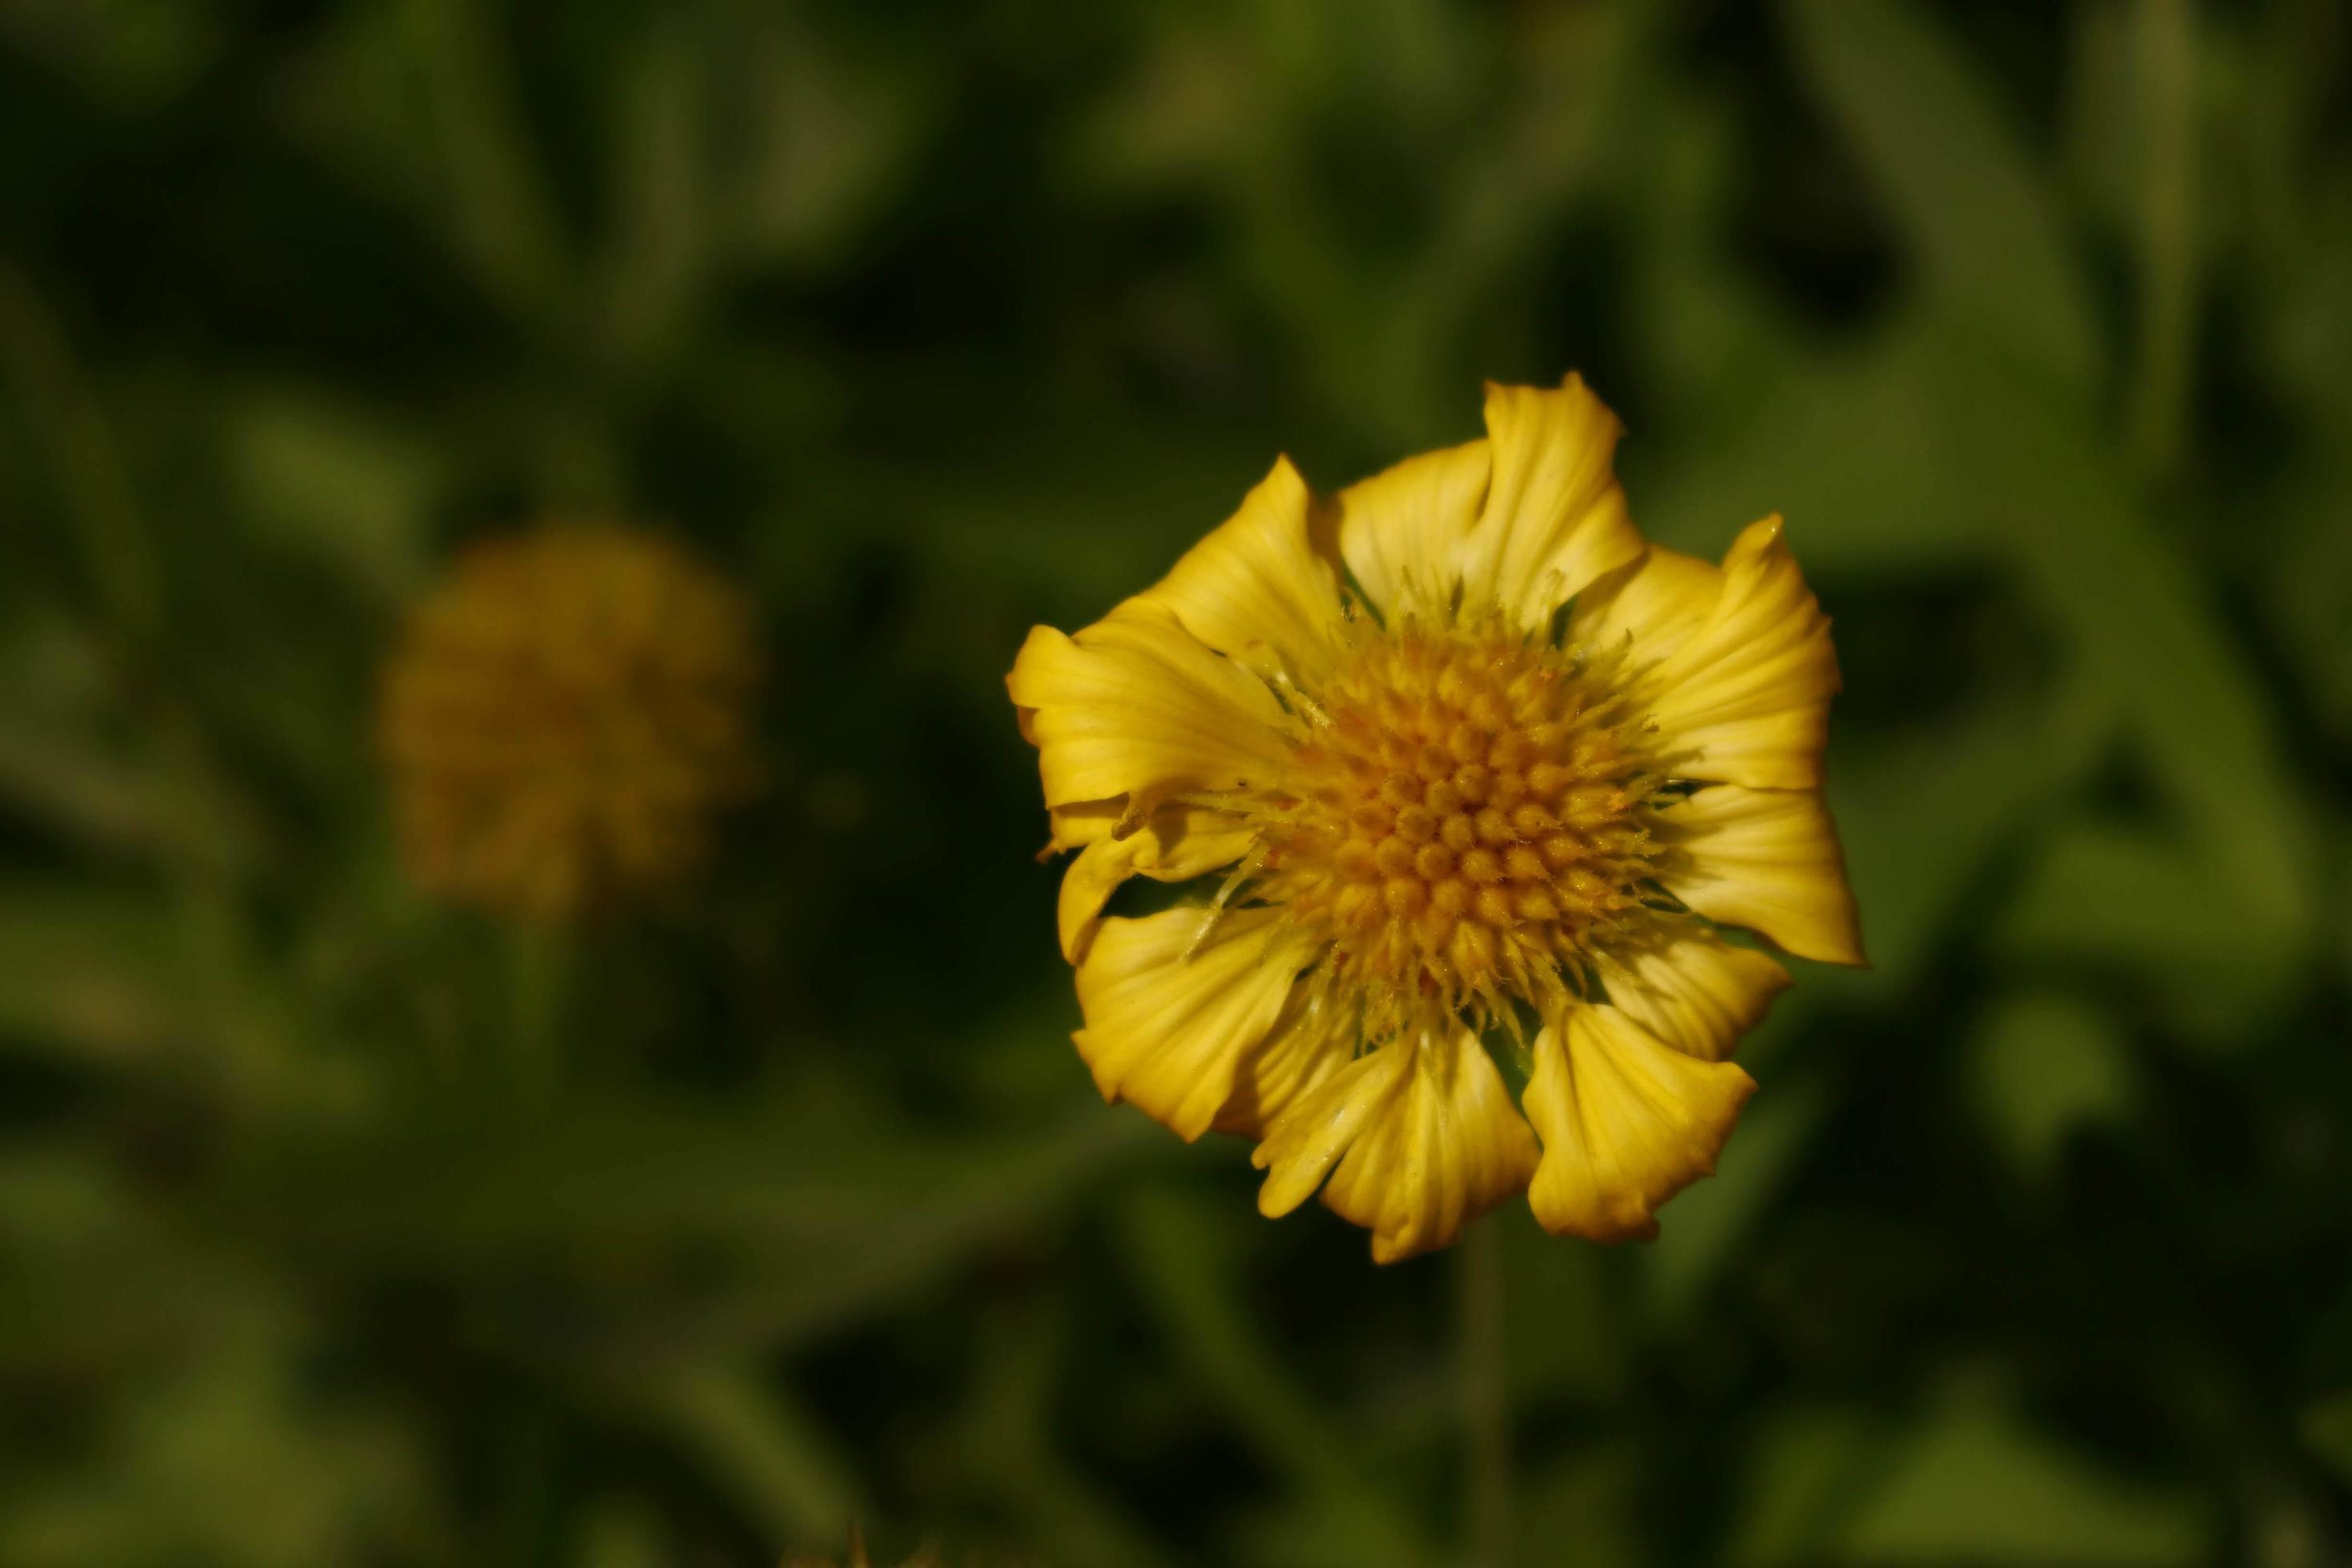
x=562, y=719
x=1481, y=775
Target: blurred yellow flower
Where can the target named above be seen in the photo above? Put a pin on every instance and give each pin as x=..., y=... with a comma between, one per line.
x=563, y=718
x=1484, y=774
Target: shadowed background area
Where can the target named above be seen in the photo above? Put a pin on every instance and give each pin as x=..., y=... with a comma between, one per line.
x=338, y=1227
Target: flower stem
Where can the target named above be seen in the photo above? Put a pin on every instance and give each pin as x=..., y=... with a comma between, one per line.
x=1486, y=1396
x=2168, y=285
x=539, y=979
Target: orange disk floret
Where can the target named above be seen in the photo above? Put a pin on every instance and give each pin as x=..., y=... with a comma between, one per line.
x=1468, y=817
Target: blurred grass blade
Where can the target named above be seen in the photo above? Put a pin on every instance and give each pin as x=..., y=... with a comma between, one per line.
x=451, y=1187
x=61, y=766
x=1716, y=1217
x=1182, y=1264
x=330, y=481
x=50, y=396
x=1978, y=1487
x=1793, y=449
x=1985, y=778
x=661, y=246
x=2133, y=615
x=2042, y=1065
x=1010, y=1439
x=2169, y=124
x=99, y=977
x=1951, y=168
x=1811, y=1466
x=785, y=1471
x=502, y=216
x=861, y=1244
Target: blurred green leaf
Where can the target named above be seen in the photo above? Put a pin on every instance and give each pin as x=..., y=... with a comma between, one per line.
x=1984, y=778
x=1579, y=1509
x=1810, y=1466
x=2326, y=1426
x=2134, y=902
x=2309, y=577
x=343, y=485
x=1184, y=1262
x=1710, y=1220
x=1953, y=171
x=1010, y=1439
x=785, y=1471
x=2102, y=151
x=1562, y=1336
x=662, y=242
x=100, y=977
x=61, y=764
x=1974, y=1486
x=232, y=1462
x=1791, y=446
x=2134, y=618
x=2042, y=1065
x=490, y=184
x=620, y=1534
x=852, y=1195
x=2169, y=128
x=829, y=136
x=73, y=437
x=132, y=53
x=105, y=1281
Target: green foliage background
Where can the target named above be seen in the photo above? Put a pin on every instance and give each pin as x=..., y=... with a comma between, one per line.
x=336, y=1228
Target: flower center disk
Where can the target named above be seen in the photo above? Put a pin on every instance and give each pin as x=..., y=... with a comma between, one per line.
x=1467, y=816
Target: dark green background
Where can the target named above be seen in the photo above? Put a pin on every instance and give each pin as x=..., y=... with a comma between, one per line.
x=339, y=1229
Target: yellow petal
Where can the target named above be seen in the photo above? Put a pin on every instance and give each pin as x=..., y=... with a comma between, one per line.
x=1398, y=530
x=1174, y=845
x=1137, y=706
x=1076, y=826
x=1555, y=516
x=1256, y=589
x=1648, y=609
x=1767, y=858
x=1745, y=698
x=1308, y=1138
x=1313, y=1039
x=1443, y=1149
x=1626, y=1123
x=1696, y=991
x=1174, y=1001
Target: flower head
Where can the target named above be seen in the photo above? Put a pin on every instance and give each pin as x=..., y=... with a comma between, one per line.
x=562, y=719
x=1480, y=778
